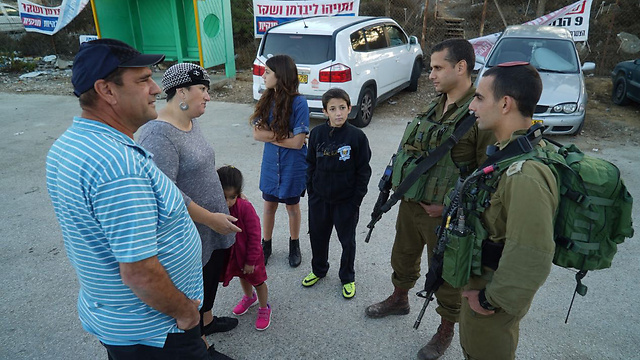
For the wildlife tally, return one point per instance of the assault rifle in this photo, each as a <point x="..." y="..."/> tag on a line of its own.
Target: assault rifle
<point x="385" y="188"/>
<point x="386" y="202"/>
<point x="453" y="211"/>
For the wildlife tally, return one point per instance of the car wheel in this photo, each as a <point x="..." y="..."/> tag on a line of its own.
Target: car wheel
<point x="619" y="94"/>
<point x="415" y="76"/>
<point x="365" y="110"/>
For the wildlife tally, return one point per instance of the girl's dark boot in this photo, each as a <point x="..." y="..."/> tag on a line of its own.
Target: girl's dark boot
<point x="266" y="250"/>
<point x="295" y="258"/>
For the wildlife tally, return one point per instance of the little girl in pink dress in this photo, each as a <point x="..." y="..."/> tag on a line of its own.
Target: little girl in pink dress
<point x="246" y="259"/>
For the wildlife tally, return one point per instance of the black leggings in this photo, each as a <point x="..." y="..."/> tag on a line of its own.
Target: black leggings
<point x="211" y="274"/>
<point x="187" y="345"/>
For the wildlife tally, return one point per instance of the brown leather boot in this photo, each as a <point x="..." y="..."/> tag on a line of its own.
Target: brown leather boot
<point x="439" y="343"/>
<point x="396" y="304"/>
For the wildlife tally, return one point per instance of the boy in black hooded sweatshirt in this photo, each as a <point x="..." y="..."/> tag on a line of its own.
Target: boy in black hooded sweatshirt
<point x="338" y="174"/>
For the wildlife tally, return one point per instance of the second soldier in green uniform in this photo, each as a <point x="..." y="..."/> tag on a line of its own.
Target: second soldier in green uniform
<point x="518" y="219"/>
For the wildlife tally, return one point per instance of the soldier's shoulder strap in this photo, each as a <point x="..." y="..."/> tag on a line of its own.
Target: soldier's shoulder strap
<point x="522" y="145"/>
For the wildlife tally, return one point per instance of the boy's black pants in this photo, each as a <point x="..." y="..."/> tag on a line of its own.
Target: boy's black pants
<point x="323" y="216"/>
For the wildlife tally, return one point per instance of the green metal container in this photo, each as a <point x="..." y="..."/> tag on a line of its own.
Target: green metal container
<point x="184" y="30"/>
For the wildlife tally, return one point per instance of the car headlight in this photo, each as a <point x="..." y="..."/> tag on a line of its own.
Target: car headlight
<point x="567" y="108"/>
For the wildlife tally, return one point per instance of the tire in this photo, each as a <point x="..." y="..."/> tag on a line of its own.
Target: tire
<point x="619" y="93"/>
<point x="415" y="76"/>
<point x="365" y="108"/>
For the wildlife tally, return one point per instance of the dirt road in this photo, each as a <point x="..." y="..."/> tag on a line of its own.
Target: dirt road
<point x="39" y="287"/>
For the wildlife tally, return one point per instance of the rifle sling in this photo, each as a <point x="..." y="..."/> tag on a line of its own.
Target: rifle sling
<point x="428" y="162"/>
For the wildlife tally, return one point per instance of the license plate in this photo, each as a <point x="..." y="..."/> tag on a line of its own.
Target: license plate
<point x="536" y="121"/>
<point x="303" y="78"/>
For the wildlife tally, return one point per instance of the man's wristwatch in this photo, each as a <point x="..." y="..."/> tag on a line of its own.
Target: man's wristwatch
<point x="484" y="303"/>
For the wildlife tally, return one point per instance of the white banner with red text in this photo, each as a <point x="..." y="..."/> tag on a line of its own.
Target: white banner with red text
<point x="574" y="17"/>
<point x="269" y="13"/>
<point x="47" y="19"/>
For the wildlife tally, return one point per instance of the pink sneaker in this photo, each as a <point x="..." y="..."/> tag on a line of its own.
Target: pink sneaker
<point x="264" y="318"/>
<point x="245" y="303"/>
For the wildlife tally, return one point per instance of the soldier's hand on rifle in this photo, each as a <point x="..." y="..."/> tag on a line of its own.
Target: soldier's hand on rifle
<point x="474" y="303"/>
<point x="433" y="210"/>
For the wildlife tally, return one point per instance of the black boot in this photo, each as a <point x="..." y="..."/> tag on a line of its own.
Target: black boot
<point x="220" y="324"/>
<point x="266" y="250"/>
<point x="216" y="355"/>
<point x="294" y="252"/>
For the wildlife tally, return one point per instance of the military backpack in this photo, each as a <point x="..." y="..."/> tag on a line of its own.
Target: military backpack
<point x="593" y="215"/>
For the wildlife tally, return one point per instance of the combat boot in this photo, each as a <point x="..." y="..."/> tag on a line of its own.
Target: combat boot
<point x="439" y="343"/>
<point x="396" y="304"/>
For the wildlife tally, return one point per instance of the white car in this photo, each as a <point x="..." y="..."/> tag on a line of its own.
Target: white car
<point x="10" y="19"/>
<point x="551" y="50"/>
<point x="370" y="58"/>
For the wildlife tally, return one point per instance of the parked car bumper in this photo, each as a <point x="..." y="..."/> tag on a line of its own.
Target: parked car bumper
<point x="561" y="124"/>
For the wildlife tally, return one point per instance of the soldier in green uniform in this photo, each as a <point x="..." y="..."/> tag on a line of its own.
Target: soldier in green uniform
<point x="518" y="220"/>
<point x="421" y="208"/>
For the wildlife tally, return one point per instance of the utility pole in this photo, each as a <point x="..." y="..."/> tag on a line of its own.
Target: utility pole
<point x="424" y="25"/>
<point x="541" y="6"/>
<point x="484" y="17"/>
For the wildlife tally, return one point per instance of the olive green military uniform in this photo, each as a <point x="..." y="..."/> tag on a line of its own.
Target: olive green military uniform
<point x="521" y="216"/>
<point x="414" y="227"/>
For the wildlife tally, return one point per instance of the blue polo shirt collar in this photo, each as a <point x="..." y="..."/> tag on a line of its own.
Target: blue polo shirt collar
<point x="104" y="129"/>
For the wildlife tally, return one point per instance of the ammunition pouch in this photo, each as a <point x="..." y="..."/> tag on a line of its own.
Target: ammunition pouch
<point x="456" y="267"/>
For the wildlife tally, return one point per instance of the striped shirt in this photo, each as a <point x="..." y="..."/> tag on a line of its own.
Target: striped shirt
<point x="114" y="205"/>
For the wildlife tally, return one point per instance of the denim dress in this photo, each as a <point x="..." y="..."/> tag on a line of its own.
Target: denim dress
<point x="283" y="171"/>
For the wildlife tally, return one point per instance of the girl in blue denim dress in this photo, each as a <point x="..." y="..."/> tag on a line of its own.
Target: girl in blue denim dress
<point x="281" y="121"/>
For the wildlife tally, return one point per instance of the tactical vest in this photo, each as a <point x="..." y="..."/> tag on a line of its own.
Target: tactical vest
<point x="468" y="249"/>
<point x="465" y="231"/>
<point x="421" y="137"/>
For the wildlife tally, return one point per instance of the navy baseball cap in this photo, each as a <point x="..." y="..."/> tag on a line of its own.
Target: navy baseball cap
<point x="98" y="58"/>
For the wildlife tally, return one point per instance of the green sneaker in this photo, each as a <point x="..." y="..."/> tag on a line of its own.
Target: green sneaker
<point x="349" y="290"/>
<point x="310" y="280"/>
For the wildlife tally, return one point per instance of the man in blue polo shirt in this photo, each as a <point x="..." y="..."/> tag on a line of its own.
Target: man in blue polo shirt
<point x="126" y="229"/>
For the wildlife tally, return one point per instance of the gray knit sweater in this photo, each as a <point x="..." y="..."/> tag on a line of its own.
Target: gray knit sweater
<point x="189" y="161"/>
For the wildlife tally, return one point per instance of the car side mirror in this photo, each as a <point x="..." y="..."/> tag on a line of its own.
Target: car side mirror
<point x="413" y="40"/>
<point x="637" y="62"/>
<point x="589" y="66"/>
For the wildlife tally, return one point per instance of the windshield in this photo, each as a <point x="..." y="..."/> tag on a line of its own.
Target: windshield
<point x="303" y="49"/>
<point x="548" y="55"/>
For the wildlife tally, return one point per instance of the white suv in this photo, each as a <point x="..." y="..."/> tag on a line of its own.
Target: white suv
<point x="370" y="58"/>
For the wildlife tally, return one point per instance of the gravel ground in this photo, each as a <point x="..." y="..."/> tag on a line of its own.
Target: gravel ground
<point x="39" y="287"/>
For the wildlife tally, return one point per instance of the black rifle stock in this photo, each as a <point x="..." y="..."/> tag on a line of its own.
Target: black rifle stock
<point x="385" y="189"/>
